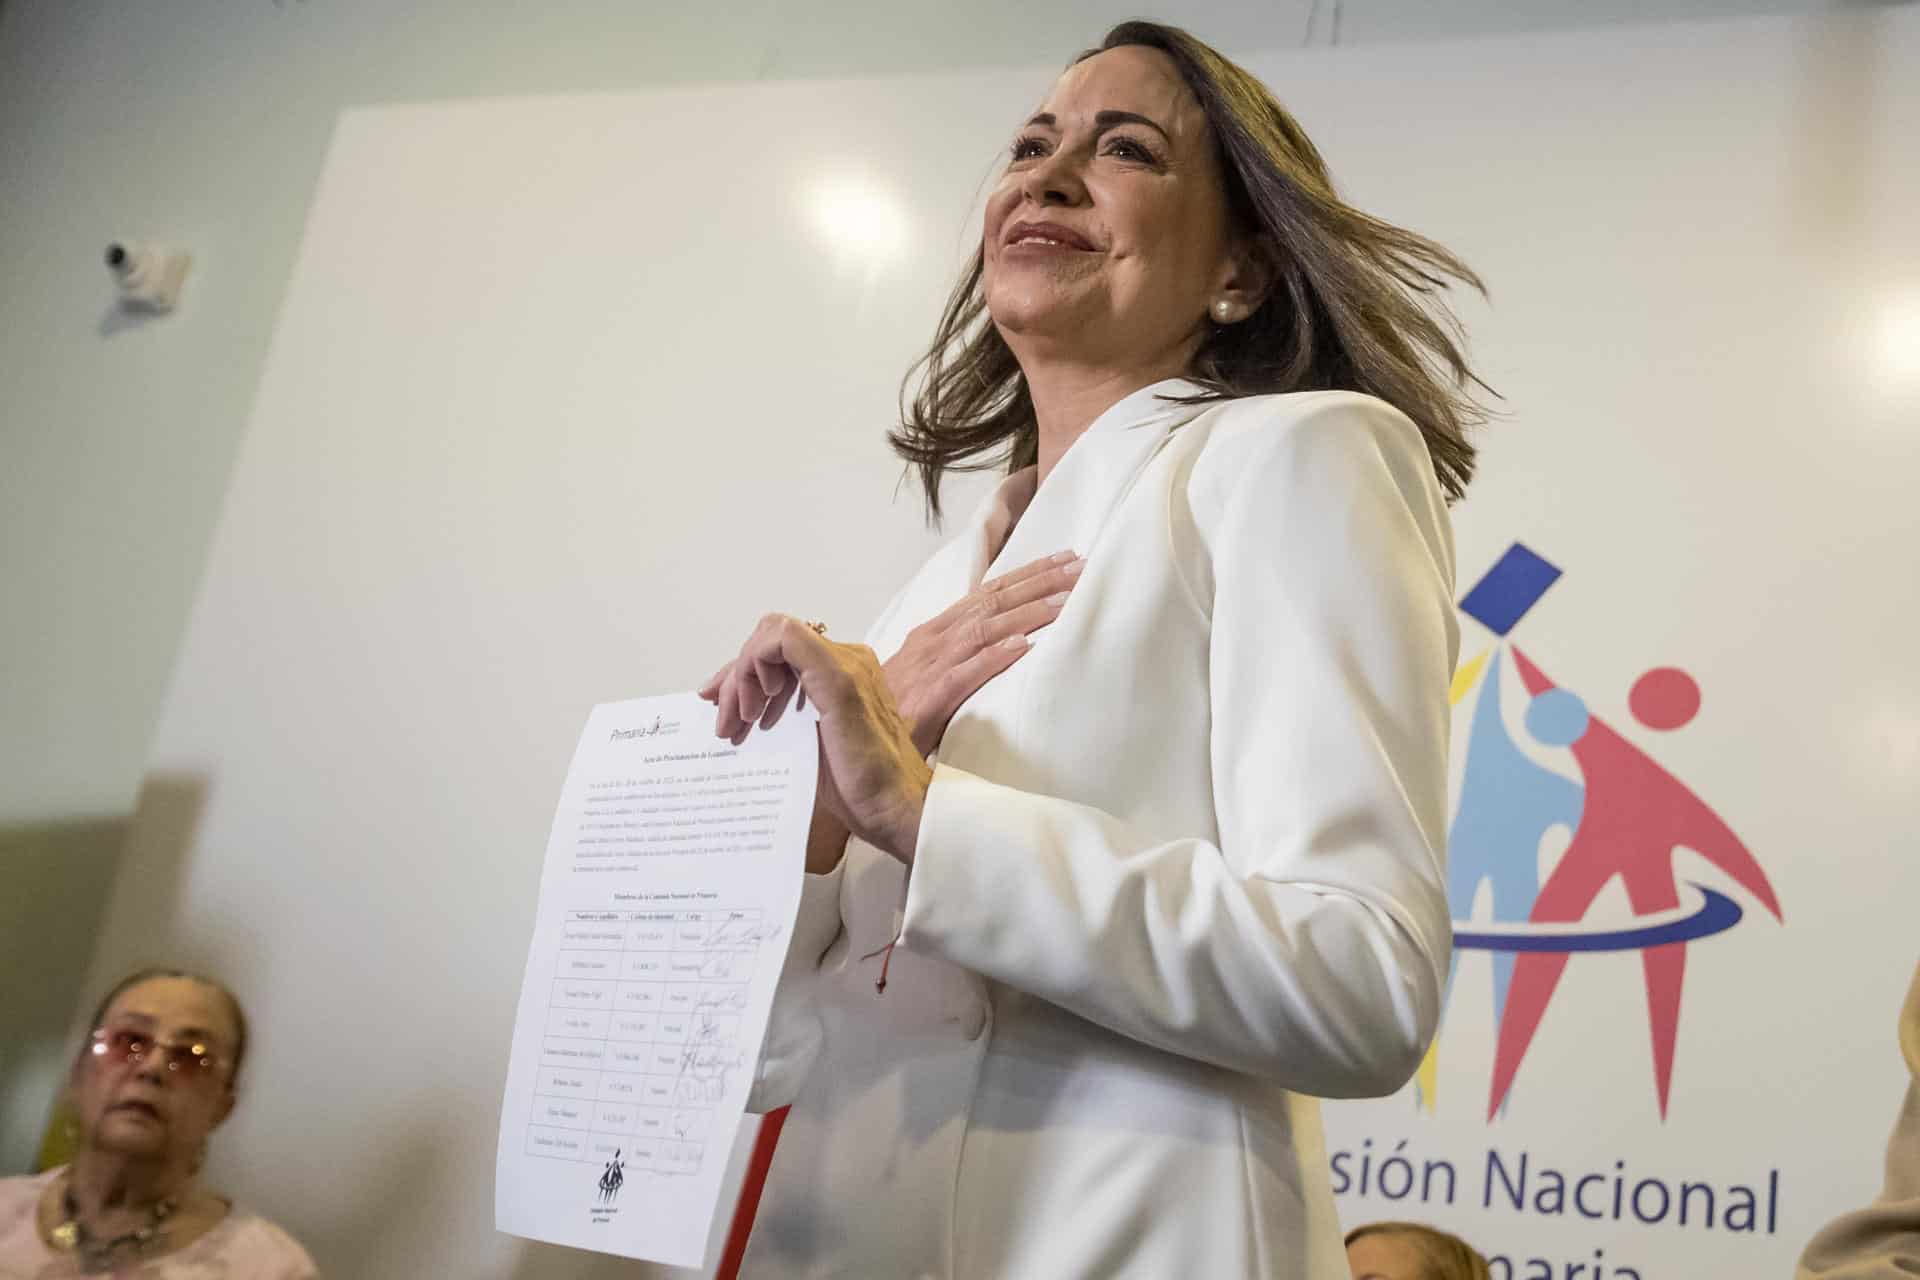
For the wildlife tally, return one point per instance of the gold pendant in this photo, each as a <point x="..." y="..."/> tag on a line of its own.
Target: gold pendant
<point x="66" y="1235"/>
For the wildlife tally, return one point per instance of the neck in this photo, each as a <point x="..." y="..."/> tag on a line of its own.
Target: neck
<point x="1068" y="398"/>
<point x="101" y="1180"/>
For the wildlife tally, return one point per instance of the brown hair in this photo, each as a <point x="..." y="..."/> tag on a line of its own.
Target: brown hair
<point x="133" y="980"/>
<point x="1355" y="305"/>
<point x="1442" y="1256"/>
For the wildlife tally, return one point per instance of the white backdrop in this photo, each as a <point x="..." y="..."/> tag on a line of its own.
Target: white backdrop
<point x="566" y="391"/>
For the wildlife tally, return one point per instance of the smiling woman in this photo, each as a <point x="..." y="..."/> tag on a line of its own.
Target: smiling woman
<point x="1132" y="847"/>
<point x="1194" y="231"/>
<point x="155" y="1077"/>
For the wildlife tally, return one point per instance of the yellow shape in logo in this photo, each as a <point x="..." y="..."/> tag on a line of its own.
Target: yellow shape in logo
<point x="1467" y="676"/>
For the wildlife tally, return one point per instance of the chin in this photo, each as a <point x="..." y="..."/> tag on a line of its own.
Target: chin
<point x="131" y="1138"/>
<point x="1032" y="314"/>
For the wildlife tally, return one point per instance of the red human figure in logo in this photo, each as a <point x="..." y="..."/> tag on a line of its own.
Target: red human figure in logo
<point x="1637" y="814"/>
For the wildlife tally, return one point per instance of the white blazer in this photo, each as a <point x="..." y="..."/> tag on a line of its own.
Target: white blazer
<point x="1180" y="874"/>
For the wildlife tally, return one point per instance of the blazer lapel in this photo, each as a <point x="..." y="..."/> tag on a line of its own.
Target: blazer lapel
<point x="1092" y="478"/>
<point x="1066" y="514"/>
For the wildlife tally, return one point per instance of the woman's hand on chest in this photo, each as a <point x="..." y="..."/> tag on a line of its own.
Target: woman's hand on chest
<point x="879" y="723"/>
<point x="951" y="656"/>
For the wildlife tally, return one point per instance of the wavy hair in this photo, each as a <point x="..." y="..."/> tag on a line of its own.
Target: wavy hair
<point x="1355" y="304"/>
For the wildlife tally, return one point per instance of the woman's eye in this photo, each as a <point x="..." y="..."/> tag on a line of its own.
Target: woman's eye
<point x="1028" y="148"/>
<point x="1128" y="149"/>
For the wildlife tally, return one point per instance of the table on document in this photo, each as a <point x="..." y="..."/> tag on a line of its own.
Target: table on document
<point x="641" y="1035"/>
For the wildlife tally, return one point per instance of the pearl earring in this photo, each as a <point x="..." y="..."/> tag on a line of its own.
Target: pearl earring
<point x="1222" y="310"/>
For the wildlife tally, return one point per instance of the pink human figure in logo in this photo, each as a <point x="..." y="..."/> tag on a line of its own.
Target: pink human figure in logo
<point x="1636" y="816"/>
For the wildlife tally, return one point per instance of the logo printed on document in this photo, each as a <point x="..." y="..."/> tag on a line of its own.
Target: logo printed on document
<point x="653" y="729"/>
<point x="612" y="1179"/>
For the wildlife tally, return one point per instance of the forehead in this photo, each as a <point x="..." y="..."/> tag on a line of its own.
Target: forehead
<point x="1130" y="78"/>
<point x="169" y="1004"/>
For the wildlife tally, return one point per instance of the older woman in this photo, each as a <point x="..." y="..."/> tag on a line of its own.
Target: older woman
<point x="155" y="1077"/>
<point x="1133" y="847"/>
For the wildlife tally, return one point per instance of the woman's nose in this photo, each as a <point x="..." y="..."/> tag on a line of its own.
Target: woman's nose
<point x="1054" y="180"/>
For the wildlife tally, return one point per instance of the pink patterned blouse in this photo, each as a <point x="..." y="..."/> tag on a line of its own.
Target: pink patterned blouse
<point x="244" y="1246"/>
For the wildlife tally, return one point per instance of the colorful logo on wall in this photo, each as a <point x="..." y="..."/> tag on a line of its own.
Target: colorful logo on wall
<point x="1627" y="818"/>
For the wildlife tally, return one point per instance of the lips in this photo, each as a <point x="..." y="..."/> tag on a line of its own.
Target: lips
<point x="135" y="1107"/>
<point x="1046" y="235"/>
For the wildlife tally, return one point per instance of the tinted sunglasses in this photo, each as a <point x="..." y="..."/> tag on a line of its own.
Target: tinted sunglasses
<point x="195" y="1060"/>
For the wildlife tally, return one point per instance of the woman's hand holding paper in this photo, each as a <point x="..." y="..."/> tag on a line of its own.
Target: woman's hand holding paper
<point x="879" y="723"/>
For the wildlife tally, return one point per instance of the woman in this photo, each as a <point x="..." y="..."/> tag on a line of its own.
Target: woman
<point x="1060" y="997"/>
<point x="1882" y="1239"/>
<point x="155" y="1077"/>
<point x="1410" y="1251"/>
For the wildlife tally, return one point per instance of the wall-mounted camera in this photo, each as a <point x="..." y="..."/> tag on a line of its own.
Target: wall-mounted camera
<point x="148" y="276"/>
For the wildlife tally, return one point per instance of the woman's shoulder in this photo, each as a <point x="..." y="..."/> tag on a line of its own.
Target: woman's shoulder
<point x="1287" y="439"/>
<point x="21" y="1249"/>
<point x="1269" y="423"/>
<point x="20" y="1196"/>
<point x="254" y="1246"/>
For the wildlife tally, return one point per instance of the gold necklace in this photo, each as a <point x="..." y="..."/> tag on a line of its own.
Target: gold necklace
<point x="72" y="1235"/>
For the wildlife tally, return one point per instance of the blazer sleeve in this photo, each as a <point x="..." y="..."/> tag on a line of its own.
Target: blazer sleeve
<point x="794" y="1032"/>
<point x="1310" y="944"/>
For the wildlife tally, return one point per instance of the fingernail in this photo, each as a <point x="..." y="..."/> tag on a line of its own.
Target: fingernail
<point x="1061" y="557"/>
<point x="1057" y="599"/>
<point x="1016" y="642"/>
<point x="1073" y="570"/>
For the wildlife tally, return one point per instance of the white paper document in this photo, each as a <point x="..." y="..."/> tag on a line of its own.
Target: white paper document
<point x="671" y="881"/>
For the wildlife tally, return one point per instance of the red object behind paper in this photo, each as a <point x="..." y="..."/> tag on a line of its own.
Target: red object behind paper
<point x="750" y="1187"/>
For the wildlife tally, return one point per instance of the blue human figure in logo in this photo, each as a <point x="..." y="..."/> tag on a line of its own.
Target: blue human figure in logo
<point x="1508" y="803"/>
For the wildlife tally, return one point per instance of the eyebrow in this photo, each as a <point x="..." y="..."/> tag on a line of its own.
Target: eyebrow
<point x="1105" y="120"/>
<point x="147" y="1020"/>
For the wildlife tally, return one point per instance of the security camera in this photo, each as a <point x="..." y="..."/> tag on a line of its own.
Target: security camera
<point x="148" y="276"/>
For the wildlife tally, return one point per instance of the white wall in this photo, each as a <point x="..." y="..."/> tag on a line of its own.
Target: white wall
<point x="495" y="473"/>
<point x="1706" y="318"/>
<point x="209" y="122"/>
<point x="205" y="122"/>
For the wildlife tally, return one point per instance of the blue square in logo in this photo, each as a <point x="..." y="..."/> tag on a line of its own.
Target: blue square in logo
<point x="1505" y="592"/>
